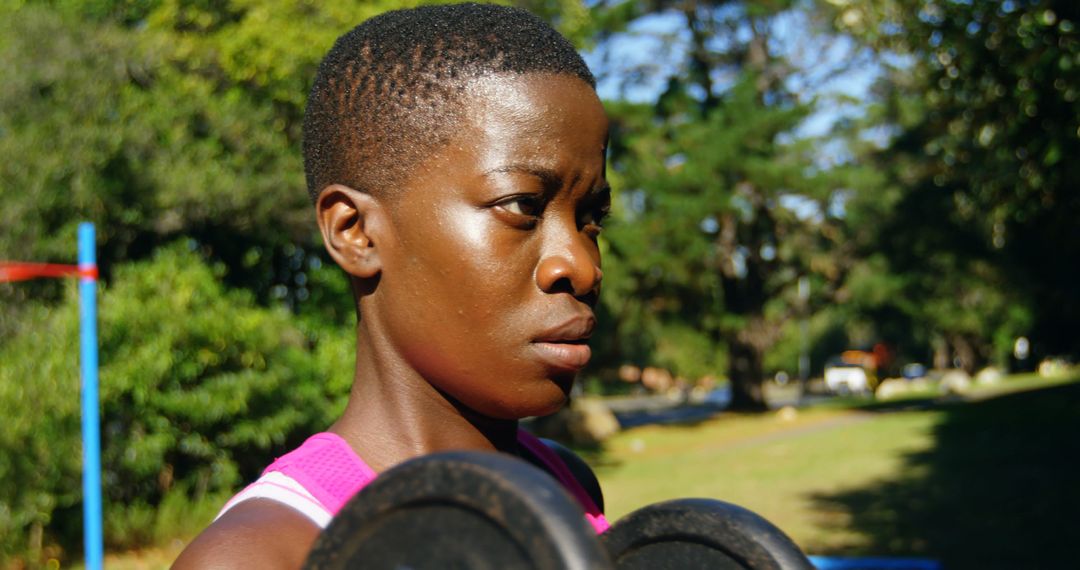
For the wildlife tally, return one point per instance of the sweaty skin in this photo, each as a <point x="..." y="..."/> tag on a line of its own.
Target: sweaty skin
<point x="476" y="282"/>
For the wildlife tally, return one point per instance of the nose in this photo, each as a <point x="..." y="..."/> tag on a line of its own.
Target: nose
<point x="570" y="264"/>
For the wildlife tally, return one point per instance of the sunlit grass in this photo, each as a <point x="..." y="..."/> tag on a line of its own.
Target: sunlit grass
<point x="782" y="467"/>
<point x="767" y="464"/>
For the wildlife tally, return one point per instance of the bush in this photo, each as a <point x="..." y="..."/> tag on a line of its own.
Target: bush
<point x="200" y="388"/>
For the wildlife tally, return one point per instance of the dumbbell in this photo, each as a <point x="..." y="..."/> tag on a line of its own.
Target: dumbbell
<point x="460" y="510"/>
<point x="700" y="533"/>
<point x="485" y="510"/>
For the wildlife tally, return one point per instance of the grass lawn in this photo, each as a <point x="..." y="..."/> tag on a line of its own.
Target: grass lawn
<point x="769" y="465"/>
<point x="989" y="482"/>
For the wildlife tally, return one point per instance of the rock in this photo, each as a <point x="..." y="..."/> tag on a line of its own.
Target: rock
<point x="989" y="375"/>
<point x="586" y="421"/>
<point x="657" y="379"/>
<point x="891" y="388"/>
<point x="629" y="373"/>
<point x="591" y="421"/>
<point x="706" y="383"/>
<point x="1052" y="367"/>
<point x="955" y="382"/>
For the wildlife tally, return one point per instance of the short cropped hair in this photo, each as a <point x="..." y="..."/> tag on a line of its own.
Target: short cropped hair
<point x="390" y="90"/>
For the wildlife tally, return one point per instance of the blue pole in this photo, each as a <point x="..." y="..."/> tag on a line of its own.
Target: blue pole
<point x="873" y="563"/>
<point x="91" y="432"/>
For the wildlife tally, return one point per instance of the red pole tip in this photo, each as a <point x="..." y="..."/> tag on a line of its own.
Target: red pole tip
<point x="22" y="271"/>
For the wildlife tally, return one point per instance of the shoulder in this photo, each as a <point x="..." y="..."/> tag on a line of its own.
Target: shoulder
<point x="581" y="471"/>
<point x="256" y="533"/>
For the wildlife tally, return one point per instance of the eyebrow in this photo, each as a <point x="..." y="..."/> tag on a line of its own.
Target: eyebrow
<point x="549" y="177"/>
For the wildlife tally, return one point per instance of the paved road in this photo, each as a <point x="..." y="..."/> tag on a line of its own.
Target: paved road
<point x="643" y="410"/>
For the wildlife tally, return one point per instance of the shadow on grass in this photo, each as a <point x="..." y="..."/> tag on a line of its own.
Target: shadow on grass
<point x="1000" y="488"/>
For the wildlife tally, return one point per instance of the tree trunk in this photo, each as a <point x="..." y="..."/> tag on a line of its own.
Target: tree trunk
<point x="965" y="355"/>
<point x="745" y="371"/>
<point x="941" y="354"/>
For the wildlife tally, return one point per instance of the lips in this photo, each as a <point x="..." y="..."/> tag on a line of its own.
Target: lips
<point x="563" y="346"/>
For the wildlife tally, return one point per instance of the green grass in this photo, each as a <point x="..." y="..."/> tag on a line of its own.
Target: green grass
<point x="989" y="482"/>
<point x="766" y="464"/>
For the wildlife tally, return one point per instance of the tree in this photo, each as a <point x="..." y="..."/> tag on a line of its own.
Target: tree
<point x="983" y="102"/>
<point x="164" y="119"/>
<point x="726" y="209"/>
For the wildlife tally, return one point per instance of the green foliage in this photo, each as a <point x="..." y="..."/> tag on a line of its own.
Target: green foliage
<point x="177" y="514"/>
<point x="200" y="387"/>
<point x="39" y="445"/>
<point x="985" y="106"/>
<point x="688" y="352"/>
<point x="723" y="209"/>
<point x="160" y="119"/>
<point x="115" y="134"/>
<point x="828" y="334"/>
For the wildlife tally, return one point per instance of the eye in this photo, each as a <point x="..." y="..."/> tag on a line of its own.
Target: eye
<point x="596" y="216"/>
<point x="595" y="212"/>
<point x="528" y="205"/>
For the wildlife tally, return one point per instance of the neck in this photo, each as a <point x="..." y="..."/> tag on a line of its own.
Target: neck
<point x="394" y="414"/>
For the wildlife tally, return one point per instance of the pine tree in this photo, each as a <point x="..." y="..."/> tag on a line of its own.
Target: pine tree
<point x="725" y="209"/>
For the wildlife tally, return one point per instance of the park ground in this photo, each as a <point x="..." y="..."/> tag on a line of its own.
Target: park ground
<point x="988" y="480"/>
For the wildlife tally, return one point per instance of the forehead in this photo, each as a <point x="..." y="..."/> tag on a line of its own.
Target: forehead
<point x="537" y="116"/>
<point x="532" y="96"/>
<point x="534" y="122"/>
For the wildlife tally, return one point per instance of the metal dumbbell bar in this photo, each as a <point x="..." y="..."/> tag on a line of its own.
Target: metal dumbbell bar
<point x="488" y="511"/>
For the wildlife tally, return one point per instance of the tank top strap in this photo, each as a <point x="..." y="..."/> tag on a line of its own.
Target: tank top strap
<point x="558" y="469"/>
<point x="327" y="467"/>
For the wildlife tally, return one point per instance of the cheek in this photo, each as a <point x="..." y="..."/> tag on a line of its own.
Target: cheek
<point x="468" y="228"/>
<point x="486" y="265"/>
<point x="465" y="274"/>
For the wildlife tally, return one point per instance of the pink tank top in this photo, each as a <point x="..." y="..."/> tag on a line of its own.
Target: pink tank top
<point x="329" y="473"/>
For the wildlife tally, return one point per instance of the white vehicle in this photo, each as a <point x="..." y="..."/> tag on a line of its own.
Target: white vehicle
<point x="843" y="378"/>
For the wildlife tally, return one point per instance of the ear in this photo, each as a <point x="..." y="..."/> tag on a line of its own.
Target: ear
<point x="350" y="221"/>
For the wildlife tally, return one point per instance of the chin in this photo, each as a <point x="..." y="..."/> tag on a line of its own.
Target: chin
<point x="551" y="409"/>
<point x="537" y="405"/>
<point x="560" y="399"/>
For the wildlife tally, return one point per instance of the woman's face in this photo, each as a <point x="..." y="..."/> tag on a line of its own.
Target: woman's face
<point x="488" y="288"/>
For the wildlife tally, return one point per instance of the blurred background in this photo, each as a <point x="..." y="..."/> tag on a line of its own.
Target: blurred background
<point x="840" y="276"/>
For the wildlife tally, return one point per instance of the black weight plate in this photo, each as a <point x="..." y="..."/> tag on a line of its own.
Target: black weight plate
<point x="700" y="533"/>
<point x="460" y="510"/>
